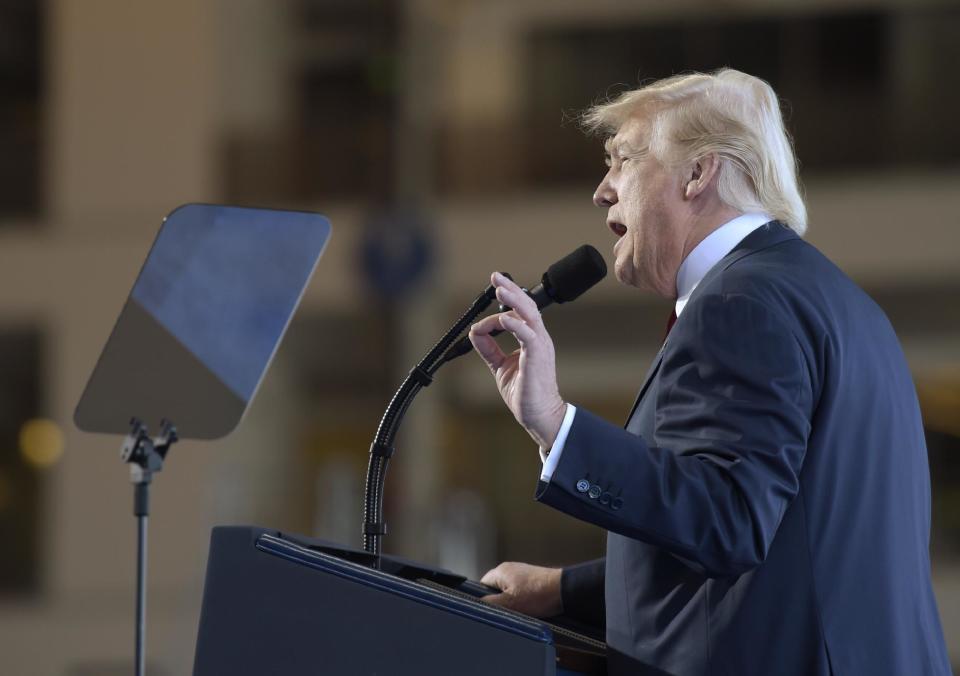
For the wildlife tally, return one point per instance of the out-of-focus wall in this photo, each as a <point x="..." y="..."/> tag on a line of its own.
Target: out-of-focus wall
<point x="144" y="104"/>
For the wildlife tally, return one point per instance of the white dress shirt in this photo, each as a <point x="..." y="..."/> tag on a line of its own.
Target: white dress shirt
<point x="692" y="270"/>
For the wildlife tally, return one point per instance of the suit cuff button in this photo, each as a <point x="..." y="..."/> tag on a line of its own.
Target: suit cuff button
<point x="616" y="503"/>
<point x="605" y="499"/>
<point x="594" y="492"/>
<point x="583" y="486"/>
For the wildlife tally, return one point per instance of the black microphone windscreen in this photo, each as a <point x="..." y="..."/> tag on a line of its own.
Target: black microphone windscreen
<point x="574" y="273"/>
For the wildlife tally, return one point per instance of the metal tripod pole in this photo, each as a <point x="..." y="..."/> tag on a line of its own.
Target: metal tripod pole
<point x="141" y="510"/>
<point x="145" y="456"/>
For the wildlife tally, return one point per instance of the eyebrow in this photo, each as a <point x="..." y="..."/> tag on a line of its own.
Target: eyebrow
<point x="622" y="149"/>
<point x="611" y="148"/>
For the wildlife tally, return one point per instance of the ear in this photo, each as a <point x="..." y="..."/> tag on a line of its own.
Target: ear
<point x="701" y="174"/>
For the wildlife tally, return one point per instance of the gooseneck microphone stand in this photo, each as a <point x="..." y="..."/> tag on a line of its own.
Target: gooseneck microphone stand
<point x="145" y="456"/>
<point x="446" y="349"/>
<point x="563" y="282"/>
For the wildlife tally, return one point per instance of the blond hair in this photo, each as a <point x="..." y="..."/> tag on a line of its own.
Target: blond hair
<point x="735" y="115"/>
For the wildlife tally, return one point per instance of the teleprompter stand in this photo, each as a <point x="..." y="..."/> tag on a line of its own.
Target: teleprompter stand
<point x="145" y="457"/>
<point x="194" y="339"/>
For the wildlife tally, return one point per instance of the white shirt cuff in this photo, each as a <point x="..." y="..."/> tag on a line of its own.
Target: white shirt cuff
<point x="552" y="459"/>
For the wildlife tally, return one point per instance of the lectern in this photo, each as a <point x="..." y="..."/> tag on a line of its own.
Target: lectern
<point x="280" y="604"/>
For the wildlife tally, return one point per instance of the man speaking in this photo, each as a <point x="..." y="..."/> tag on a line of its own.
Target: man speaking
<point x="768" y="503"/>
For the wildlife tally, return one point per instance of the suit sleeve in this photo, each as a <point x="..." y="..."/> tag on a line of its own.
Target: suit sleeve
<point x="582" y="592"/>
<point x="733" y="409"/>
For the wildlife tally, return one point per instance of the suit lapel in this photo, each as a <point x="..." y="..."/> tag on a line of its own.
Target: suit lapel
<point x="651" y="372"/>
<point x="765" y="236"/>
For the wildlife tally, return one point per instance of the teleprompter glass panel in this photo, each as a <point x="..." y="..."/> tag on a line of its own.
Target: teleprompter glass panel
<point x="203" y="320"/>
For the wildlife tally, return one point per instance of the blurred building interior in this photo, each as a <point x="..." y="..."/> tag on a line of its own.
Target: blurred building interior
<point x="440" y="137"/>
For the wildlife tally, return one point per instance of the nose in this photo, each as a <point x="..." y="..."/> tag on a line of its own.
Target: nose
<point x="605" y="195"/>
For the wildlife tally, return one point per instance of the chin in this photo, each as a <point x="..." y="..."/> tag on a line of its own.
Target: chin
<point x="627" y="276"/>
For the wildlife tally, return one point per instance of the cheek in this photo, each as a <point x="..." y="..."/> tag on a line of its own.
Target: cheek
<point x="638" y="243"/>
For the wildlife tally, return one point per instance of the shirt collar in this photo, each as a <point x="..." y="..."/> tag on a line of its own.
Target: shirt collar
<point x="708" y="253"/>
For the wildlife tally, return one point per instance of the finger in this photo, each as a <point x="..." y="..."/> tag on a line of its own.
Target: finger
<point x="516" y="298"/>
<point x="521" y="330"/>
<point x="484" y="343"/>
<point x="493" y="578"/>
<point x="521" y="303"/>
<point x="502" y="282"/>
<point x="499" y="279"/>
<point x="486" y="325"/>
<point x="488" y="350"/>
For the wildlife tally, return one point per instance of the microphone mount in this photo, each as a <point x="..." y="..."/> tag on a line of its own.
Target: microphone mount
<point x="381" y="450"/>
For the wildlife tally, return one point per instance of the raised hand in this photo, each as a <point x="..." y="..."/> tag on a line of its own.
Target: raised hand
<point x="527" y="377"/>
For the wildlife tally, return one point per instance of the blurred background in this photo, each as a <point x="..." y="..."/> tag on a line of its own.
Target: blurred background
<point x="439" y="136"/>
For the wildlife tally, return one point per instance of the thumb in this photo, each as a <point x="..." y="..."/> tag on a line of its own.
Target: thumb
<point x="493" y="578"/>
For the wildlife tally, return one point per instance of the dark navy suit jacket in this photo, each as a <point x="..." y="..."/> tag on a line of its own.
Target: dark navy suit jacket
<point x="768" y="504"/>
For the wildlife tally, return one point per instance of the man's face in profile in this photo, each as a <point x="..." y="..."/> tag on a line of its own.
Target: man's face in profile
<point x="645" y="211"/>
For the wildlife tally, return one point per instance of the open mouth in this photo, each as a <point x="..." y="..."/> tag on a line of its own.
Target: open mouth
<point x="619" y="229"/>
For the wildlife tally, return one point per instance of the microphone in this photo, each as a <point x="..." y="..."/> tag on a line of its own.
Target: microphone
<point x="564" y="281"/>
<point x="569" y="277"/>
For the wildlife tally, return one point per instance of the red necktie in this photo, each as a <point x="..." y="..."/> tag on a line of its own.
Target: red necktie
<point x="670" y="322"/>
